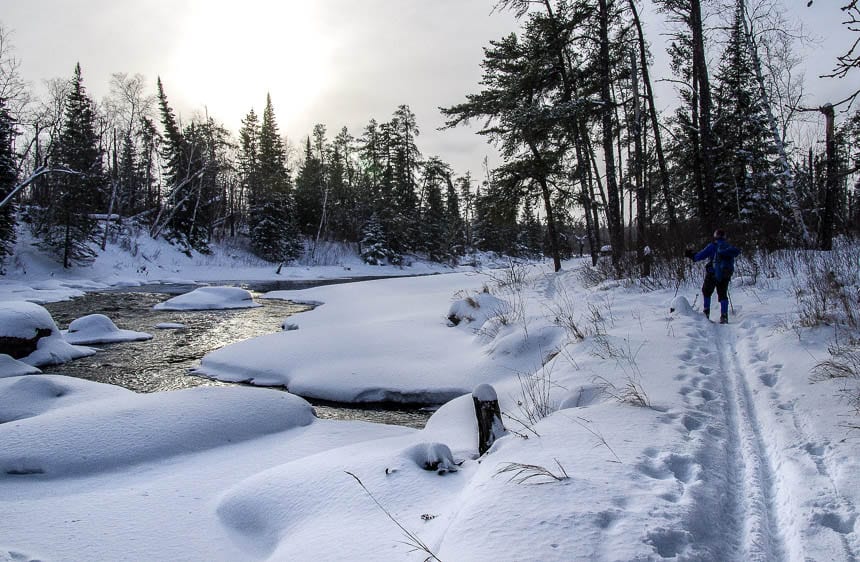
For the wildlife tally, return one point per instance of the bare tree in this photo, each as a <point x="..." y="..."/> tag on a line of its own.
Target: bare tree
<point x="13" y="88"/>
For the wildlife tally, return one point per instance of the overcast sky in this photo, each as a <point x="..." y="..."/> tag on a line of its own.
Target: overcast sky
<point x="336" y="62"/>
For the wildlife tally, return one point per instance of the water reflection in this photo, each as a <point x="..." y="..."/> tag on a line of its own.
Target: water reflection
<point x="163" y="363"/>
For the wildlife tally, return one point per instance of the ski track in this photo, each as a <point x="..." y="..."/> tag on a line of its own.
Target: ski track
<point x="732" y="511"/>
<point x="738" y="506"/>
<point x="831" y="515"/>
<point x="755" y="492"/>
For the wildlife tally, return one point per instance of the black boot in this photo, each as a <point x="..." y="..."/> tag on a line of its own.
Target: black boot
<point x="707" y="312"/>
<point x="724" y="319"/>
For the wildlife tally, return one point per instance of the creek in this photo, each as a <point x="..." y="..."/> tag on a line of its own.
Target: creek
<point x="163" y="363"/>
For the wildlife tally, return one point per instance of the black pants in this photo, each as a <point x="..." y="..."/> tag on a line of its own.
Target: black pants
<point x="722" y="286"/>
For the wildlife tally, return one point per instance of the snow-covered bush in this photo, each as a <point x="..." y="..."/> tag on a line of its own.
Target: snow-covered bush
<point x="828" y="291"/>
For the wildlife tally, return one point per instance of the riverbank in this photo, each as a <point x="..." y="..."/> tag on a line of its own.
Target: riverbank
<point x="31" y="275"/>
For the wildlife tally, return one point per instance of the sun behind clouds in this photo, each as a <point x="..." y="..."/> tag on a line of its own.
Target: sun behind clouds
<point x="231" y="54"/>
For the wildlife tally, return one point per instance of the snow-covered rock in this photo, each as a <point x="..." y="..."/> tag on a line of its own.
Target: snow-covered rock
<point x="680" y="305"/>
<point x="475" y="310"/>
<point x="98" y="328"/>
<point x="210" y="298"/>
<point x="29" y="333"/>
<point x="432" y="456"/>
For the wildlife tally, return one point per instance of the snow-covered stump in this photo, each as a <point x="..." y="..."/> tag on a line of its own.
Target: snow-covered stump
<point x="490" y="426"/>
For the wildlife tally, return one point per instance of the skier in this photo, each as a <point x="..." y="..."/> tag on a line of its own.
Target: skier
<point x="718" y="272"/>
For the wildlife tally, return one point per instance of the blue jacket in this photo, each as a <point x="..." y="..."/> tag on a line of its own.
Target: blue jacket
<point x="721" y="258"/>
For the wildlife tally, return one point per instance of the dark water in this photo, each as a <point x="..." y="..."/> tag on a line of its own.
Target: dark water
<point x="163" y="363"/>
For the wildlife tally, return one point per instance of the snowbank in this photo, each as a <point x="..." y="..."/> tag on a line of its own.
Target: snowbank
<point x="385" y="340"/>
<point x="104" y="435"/>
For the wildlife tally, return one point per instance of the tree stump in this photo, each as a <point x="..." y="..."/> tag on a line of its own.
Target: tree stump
<point x="490" y="426"/>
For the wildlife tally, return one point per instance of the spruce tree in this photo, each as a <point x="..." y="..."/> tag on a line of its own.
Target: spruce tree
<point x="374" y="244"/>
<point x="249" y="157"/>
<point x="455" y="232"/>
<point x="272" y="215"/>
<point x="433" y="227"/>
<point x="185" y="154"/>
<point x="310" y="190"/>
<point x="530" y="233"/>
<point x="403" y="226"/>
<point x="70" y="228"/>
<point x="748" y="188"/>
<point x="8" y="178"/>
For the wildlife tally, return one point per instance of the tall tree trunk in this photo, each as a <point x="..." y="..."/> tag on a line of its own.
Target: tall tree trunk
<point x="616" y="232"/>
<point x="637" y="162"/>
<point x="548" y="208"/>
<point x="706" y="138"/>
<point x="828" y="215"/>
<point x="655" y="124"/>
<point x="583" y="169"/>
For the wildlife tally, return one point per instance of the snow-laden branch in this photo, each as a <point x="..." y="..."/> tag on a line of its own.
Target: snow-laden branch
<point x="40" y="171"/>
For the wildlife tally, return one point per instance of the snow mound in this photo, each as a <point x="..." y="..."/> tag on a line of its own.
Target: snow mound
<point x="475" y="310"/>
<point x="20" y="319"/>
<point x="210" y="298"/>
<point x="98" y="328"/>
<point x="104" y="435"/>
<point x="170" y="326"/>
<point x="583" y="396"/>
<point x="27" y="328"/>
<point x="25" y="397"/>
<point x="432" y="456"/>
<point x="681" y="305"/>
<point x="10" y="367"/>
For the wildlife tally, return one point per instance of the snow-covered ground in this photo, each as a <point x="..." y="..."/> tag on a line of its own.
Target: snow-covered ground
<point x="638" y="430"/>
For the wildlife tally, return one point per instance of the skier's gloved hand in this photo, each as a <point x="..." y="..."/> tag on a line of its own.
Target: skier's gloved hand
<point x="689" y="254"/>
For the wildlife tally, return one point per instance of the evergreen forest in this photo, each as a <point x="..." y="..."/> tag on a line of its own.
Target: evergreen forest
<point x="589" y="161"/>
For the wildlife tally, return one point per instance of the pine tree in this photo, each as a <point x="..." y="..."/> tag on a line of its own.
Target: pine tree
<point x="8" y="178"/>
<point x="748" y="188"/>
<point x="274" y="235"/>
<point x="403" y="226"/>
<point x="530" y="232"/>
<point x="433" y="227"/>
<point x="249" y="157"/>
<point x="310" y="189"/>
<point x="185" y="154"/>
<point x="374" y="244"/>
<point x="344" y="212"/>
<point x="496" y="209"/>
<point x="70" y="228"/>
<point x="455" y="231"/>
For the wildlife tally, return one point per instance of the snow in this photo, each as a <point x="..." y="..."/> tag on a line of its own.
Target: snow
<point x="637" y="430"/>
<point x="352" y="348"/>
<point x="170" y="326"/>
<point x="25" y="320"/>
<point x="10" y="367"/>
<point x="484" y="393"/>
<point x="210" y="298"/>
<point x="126" y="429"/>
<point x="98" y="328"/>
